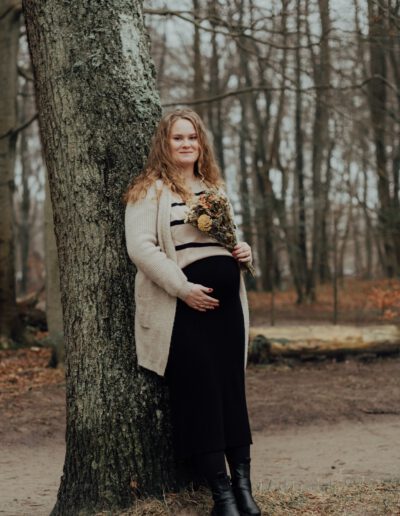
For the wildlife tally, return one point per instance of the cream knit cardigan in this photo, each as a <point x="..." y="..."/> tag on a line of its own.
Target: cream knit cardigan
<point x="159" y="280"/>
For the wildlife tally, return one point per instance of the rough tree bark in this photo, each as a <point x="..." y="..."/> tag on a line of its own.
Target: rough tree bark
<point x="10" y="11"/>
<point x="98" y="107"/>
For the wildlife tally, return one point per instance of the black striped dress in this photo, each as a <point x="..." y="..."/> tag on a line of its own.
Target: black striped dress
<point x="205" y="370"/>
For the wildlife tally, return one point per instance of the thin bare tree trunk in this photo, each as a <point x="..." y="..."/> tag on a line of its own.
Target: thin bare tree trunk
<point x="368" y="226"/>
<point x="197" y="61"/>
<point x="264" y="195"/>
<point x="342" y="246"/>
<point x="301" y="233"/>
<point x="364" y="144"/>
<point x="54" y="314"/>
<point x="322" y="72"/>
<point x="249" y="109"/>
<point x="24" y="224"/>
<point x="244" y="191"/>
<point x="215" y="108"/>
<point x="244" y="175"/>
<point x="377" y="101"/>
<point x="394" y="60"/>
<point x="324" y="268"/>
<point x="10" y="11"/>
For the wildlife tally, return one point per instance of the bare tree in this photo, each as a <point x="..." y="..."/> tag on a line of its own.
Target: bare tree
<point x="24" y="233"/>
<point x="300" y="272"/>
<point x="320" y="142"/>
<point x="54" y="315"/>
<point x="214" y="88"/>
<point x="198" y="78"/>
<point x="10" y="11"/>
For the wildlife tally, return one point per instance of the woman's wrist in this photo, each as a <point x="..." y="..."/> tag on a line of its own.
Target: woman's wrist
<point x="185" y="290"/>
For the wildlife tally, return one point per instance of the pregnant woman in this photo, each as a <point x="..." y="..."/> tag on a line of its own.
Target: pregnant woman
<point x="191" y="322"/>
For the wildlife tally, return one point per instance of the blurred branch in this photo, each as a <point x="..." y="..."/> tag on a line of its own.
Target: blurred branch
<point x="14" y="132"/>
<point x="234" y="31"/>
<point x="253" y="89"/>
<point x="25" y="73"/>
<point x="14" y="6"/>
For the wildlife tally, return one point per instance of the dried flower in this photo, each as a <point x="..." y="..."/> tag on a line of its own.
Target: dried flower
<point x="204" y="223"/>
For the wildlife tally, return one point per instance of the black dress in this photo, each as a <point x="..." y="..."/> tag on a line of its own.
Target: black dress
<point x="205" y="370"/>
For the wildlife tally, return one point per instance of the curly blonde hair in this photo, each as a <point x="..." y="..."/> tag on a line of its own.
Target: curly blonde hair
<point x="160" y="164"/>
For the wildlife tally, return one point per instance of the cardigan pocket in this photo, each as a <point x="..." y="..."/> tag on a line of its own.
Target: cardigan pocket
<point x="143" y="308"/>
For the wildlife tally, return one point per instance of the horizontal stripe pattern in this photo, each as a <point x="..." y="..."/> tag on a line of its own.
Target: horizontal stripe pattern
<point x="196" y="244"/>
<point x="190" y="243"/>
<point x="183" y="203"/>
<point x="177" y="222"/>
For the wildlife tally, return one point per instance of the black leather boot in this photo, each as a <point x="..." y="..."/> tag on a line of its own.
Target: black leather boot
<point x="224" y="499"/>
<point x="242" y="489"/>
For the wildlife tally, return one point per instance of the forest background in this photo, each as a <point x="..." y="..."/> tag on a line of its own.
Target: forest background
<point x="303" y="105"/>
<point x="302" y="99"/>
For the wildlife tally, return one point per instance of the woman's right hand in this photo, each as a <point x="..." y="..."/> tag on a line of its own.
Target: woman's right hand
<point x="199" y="300"/>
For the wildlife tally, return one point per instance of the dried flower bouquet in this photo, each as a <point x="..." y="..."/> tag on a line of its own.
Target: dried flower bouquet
<point x="211" y="213"/>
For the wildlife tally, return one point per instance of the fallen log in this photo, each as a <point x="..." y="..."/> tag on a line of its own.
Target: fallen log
<point x="268" y="344"/>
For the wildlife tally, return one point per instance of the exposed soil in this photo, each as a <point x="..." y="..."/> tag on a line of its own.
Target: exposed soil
<point x="316" y="423"/>
<point x="312" y="423"/>
<point x="283" y="396"/>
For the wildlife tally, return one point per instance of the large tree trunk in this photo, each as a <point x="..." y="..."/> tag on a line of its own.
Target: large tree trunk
<point x="97" y="108"/>
<point x="9" y="36"/>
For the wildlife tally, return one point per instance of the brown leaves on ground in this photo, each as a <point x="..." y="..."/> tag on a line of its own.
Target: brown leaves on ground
<point x="386" y="297"/>
<point x="23" y="369"/>
<point x="359" y="301"/>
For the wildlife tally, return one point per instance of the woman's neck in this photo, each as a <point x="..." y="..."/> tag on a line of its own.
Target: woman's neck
<point x="189" y="175"/>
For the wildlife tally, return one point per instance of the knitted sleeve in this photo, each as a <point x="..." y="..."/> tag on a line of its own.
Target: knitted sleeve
<point x="144" y="251"/>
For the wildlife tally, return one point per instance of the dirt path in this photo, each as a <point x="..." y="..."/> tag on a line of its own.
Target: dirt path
<point x="30" y="477"/>
<point x="312" y="424"/>
<point x="315" y="455"/>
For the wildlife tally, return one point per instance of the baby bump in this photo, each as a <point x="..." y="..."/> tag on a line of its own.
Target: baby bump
<point x="221" y="273"/>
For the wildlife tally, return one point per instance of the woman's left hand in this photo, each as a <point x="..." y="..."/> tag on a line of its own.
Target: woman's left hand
<point x="242" y="252"/>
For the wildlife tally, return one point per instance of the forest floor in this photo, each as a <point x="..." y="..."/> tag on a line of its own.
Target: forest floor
<point x="326" y="437"/>
<point x="360" y="302"/>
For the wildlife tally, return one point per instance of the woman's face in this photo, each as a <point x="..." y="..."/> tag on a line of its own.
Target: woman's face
<point x="184" y="142"/>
